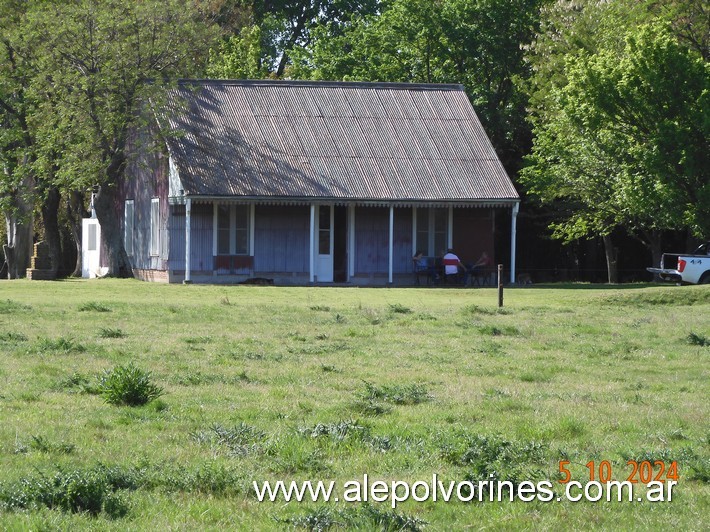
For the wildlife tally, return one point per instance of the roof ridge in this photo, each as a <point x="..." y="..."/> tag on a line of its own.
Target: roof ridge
<point x="323" y="83"/>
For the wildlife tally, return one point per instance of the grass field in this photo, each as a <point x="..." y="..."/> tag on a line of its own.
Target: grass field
<point x="269" y="383"/>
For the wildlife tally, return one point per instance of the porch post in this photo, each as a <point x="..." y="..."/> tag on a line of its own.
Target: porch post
<point x="214" y="231"/>
<point x="252" y="219"/>
<point x="414" y="231"/>
<point x="188" y="215"/>
<point x="311" y="262"/>
<point x="450" y="231"/>
<point x="391" y="244"/>
<point x="513" y="233"/>
<point x="351" y="241"/>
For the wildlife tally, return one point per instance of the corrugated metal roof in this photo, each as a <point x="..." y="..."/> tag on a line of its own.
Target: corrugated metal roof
<point x="339" y="141"/>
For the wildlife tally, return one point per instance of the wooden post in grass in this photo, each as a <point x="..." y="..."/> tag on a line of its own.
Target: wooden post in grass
<point x="500" y="285"/>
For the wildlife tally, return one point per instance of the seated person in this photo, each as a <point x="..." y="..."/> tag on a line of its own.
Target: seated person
<point x="422" y="265"/>
<point x="482" y="263"/>
<point x="453" y="265"/>
<point x="479" y="268"/>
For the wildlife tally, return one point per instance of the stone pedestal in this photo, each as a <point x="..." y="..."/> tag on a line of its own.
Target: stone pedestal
<point x="41" y="266"/>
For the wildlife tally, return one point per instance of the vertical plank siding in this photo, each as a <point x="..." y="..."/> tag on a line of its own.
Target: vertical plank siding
<point x="200" y="238"/>
<point x="372" y="240"/>
<point x="281" y="239"/>
<point x="146" y="177"/>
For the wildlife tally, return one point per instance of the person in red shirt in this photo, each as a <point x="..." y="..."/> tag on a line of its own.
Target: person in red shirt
<point x="452" y="265"/>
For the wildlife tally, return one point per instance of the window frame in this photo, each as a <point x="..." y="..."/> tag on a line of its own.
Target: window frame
<point x="431" y="231"/>
<point x="129" y="226"/>
<point x="234" y="229"/>
<point x="155" y="227"/>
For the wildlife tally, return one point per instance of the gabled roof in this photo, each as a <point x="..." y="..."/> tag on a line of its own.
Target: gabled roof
<point x="283" y="140"/>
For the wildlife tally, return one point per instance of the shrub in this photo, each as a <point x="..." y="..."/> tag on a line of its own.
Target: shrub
<point x="128" y="385"/>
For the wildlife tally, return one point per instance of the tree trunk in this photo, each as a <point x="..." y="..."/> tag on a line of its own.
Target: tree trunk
<point x="50" y="219"/>
<point x="612" y="256"/>
<point x="655" y="245"/>
<point x="9" y="253"/>
<point x="75" y="213"/>
<point x="19" y="225"/>
<point x="18" y="250"/>
<point x="105" y="204"/>
<point x="652" y="240"/>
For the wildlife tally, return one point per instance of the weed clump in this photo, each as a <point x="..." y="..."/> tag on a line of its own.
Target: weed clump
<point x="91" y="491"/>
<point x="366" y="517"/>
<point x="503" y="330"/>
<point x="12" y="338"/>
<point x="108" y="332"/>
<point x="128" y="385"/>
<point x="399" y="394"/>
<point x="10" y="307"/>
<point x="698" y="339"/>
<point x="239" y="440"/>
<point x="61" y="345"/>
<point x="495" y="458"/>
<point x="44" y="445"/>
<point x="93" y="306"/>
<point x="369" y="407"/>
<point x="700" y="470"/>
<point x="211" y="478"/>
<point x="76" y="383"/>
<point x="474" y="310"/>
<point x="337" y="431"/>
<point x="400" y="309"/>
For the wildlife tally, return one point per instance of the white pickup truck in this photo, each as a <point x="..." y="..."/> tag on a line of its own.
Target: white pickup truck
<point x="693" y="268"/>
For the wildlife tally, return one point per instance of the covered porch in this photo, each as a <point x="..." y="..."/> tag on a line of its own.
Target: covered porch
<point x="225" y="240"/>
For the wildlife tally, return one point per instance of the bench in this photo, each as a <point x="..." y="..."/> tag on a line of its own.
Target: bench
<point x="234" y="264"/>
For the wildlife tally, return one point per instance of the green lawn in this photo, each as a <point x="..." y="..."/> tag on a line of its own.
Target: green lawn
<point x="269" y="383"/>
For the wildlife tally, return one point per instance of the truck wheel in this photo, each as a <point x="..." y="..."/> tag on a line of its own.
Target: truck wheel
<point x="705" y="278"/>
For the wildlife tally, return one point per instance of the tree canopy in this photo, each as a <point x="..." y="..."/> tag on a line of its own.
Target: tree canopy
<point x="620" y="123"/>
<point x="94" y="65"/>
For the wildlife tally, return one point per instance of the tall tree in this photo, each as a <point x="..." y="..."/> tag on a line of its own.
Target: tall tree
<point x="17" y="180"/>
<point x="99" y="62"/>
<point x="261" y="36"/>
<point x="623" y="139"/>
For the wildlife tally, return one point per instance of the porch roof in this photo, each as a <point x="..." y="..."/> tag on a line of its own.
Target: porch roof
<point x="284" y="141"/>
